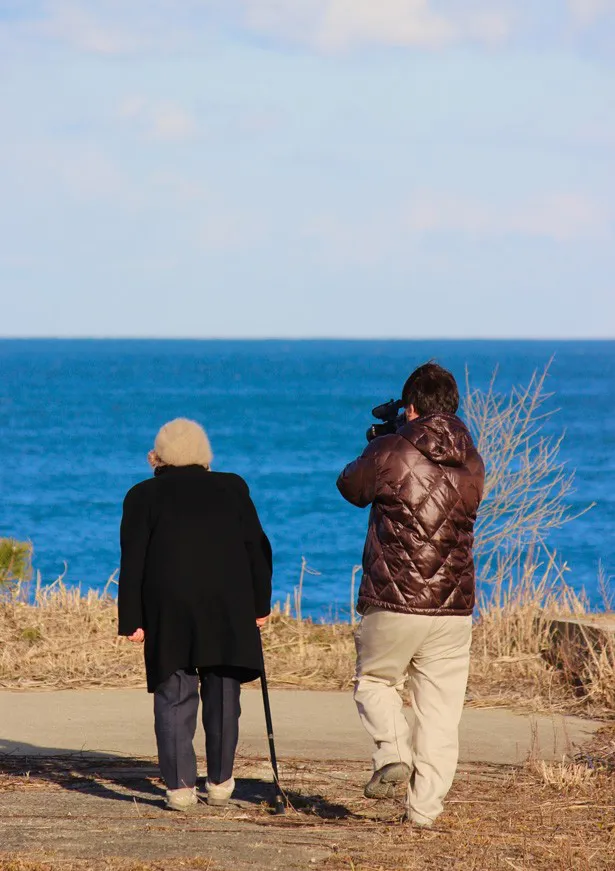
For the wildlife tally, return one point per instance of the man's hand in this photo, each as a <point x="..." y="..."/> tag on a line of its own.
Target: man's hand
<point x="260" y="621"/>
<point x="137" y="637"/>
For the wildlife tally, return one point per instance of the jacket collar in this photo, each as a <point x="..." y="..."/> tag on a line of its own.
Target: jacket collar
<point x="442" y="438"/>
<point x="179" y="470"/>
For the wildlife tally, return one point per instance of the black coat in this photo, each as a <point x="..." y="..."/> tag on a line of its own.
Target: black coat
<point x="195" y="572"/>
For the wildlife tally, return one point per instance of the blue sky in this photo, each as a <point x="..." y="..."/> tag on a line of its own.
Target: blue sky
<point x="349" y="168"/>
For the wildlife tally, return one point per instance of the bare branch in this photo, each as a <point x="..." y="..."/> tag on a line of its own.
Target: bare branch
<point x="527" y="486"/>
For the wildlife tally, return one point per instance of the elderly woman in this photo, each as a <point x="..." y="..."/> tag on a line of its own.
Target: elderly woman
<point x="195" y="586"/>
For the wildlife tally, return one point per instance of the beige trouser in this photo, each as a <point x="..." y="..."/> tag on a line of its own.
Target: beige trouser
<point x="435" y="652"/>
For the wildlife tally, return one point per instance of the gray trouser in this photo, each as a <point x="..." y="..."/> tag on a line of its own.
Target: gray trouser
<point x="176" y="703"/>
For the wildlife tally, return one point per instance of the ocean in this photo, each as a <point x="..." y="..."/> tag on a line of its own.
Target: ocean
<point x="77" y="418"/>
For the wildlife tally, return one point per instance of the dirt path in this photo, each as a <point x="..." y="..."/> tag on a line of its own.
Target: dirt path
<point x="96" y="813"/>
<point x="79" y="790"/>
<point x="105" y="815"/>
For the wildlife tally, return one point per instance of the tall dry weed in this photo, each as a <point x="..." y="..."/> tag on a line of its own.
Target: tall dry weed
<point x="64" y="638"/>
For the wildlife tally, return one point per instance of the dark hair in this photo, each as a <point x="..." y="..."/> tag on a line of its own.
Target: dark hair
<point x="431" y="388"/>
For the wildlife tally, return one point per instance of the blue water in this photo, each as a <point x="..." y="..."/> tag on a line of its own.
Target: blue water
<point x="78" y="417"/>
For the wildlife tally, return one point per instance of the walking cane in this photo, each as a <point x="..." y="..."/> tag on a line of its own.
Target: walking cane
<point x="280" y="807"/>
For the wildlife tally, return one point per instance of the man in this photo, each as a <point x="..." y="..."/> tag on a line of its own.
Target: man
<point x="424" y="483"/>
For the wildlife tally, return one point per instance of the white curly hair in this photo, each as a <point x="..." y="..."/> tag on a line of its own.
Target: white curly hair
<point x="183" y="442"/>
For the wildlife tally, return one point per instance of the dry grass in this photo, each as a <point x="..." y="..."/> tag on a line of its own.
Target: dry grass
<point x="516" y="655"/>
<point x="66" y="639"/>
<point x="17" y="863"/>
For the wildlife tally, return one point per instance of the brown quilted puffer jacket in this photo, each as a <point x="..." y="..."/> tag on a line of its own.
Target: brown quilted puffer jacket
<point x="425" y="484"/>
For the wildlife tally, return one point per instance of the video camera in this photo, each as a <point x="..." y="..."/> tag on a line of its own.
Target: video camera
<point x="391" y="419"/>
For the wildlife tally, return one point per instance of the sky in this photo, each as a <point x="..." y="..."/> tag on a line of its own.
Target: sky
<point x="307" y="168"/>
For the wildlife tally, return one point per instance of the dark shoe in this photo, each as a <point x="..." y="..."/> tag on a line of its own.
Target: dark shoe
<point x="383" y="781"/>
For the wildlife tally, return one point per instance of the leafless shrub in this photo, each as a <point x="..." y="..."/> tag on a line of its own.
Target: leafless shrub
<point x="522" y="583"/>
<point x="527" y="485"/>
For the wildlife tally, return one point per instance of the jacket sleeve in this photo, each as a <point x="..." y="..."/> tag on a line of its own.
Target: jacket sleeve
<point x="259" y="552"/>
<point x="134" y="540"/>
<point x="358" y="483"/>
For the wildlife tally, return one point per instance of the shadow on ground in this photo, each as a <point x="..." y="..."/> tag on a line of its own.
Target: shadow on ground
<point x="135" y="779"/>
<point x="79" y="812"/>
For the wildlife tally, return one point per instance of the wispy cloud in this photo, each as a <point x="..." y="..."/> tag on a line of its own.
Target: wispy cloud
<point x="86" y="28"/>
<point x="334" y="25"/>
<point x="114" y="27"/>
<point x="81" y="171"/>
<point x="226" y="230"/>
<point x="166" y="121"/>
<point x="369" y="239"/>
<point x="117" y="27"/>
<point x="588" y="12"/>
<point x="561" y="217"/>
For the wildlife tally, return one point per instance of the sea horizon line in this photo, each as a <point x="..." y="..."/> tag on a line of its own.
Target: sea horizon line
<point x="348" y="339"/>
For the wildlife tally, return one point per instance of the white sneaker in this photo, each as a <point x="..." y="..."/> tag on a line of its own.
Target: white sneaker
<point x="218" y="794"/>
<point x="181" y="799"/>
<point x="419" y="820"/>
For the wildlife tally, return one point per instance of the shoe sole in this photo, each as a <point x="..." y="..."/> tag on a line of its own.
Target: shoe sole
<point x="385" y="791"/>
<point x="217" y="802"/>
<point x="385" y="788"/>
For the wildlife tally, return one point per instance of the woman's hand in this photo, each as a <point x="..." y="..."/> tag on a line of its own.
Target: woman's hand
<point x="137" y="637"/>
<point x="260" y="621"/>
